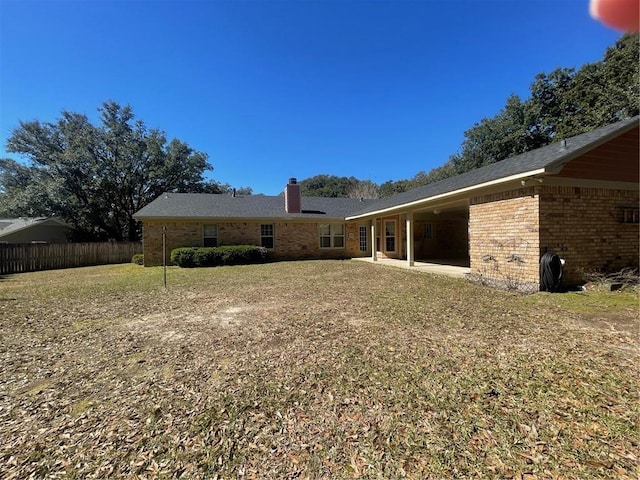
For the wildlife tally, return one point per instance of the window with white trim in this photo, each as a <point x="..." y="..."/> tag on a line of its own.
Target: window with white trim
<point x="210" y="236"/>
<point x="363" y="238"/>
<point x="390" y="235"/>
<point x="332" y="235"/>
<point x="267" y="237"/>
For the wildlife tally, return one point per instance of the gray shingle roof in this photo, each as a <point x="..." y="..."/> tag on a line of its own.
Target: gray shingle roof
<point x="202" y="205"/>
<point x="548" y="157"/>
<point x="12" y="225"/>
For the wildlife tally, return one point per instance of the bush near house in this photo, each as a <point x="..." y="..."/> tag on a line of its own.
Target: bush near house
<point x="189" y="257"/>
<point x="138" y="259"/>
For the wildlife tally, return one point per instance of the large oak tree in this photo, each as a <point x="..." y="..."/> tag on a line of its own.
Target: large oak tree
<point x="96" y="176"/>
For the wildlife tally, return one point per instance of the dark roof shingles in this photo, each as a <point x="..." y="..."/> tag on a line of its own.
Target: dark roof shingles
<point x="202" y="205"/>
<point x="188" y="205"/>
<point x="535" y="159"/>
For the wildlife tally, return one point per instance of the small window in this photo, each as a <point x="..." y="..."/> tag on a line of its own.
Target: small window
<point x="363" y="239"/>
<point x="331" y="236"/>
<point x="266" y="236"/>
<point x="630" y="215"/>
<point x="428" y="231"/>
<point x="210" y="236"/>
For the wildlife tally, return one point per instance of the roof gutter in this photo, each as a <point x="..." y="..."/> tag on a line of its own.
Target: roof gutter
<point x="443" y="196"/>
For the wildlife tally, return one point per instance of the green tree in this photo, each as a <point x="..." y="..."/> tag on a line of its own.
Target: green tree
<point x="327" y="186"/>
<point x="244" y="191"/>
<point x="509" y="133"/>
<point x="603" y="92"/>
<point x="96" y="176"/>
<point x="563" y="103"/>
<point x="391" y="187"/>
<point x="434" y="175"/>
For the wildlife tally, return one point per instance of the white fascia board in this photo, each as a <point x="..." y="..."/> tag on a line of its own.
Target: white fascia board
<point x="442" y="196"/>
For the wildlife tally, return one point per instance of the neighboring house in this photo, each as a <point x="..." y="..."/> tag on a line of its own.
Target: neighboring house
<point x="577" y="197"/>
<point x="33" y="230"/>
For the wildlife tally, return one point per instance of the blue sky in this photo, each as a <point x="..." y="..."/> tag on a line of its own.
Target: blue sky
<point x="378" y="90"/>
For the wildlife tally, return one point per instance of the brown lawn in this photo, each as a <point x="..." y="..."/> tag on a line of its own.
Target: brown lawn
<point x="315" y="369"/>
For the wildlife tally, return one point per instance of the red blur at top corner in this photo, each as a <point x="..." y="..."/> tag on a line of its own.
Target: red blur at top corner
<point x="619" y="14"/>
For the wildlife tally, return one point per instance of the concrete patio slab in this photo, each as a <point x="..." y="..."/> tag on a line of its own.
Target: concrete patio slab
<point x="425" y="267"/>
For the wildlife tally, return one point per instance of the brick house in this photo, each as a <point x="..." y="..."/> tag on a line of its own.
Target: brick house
<point x="577" y="197"/>
<point x="289" y="226"/>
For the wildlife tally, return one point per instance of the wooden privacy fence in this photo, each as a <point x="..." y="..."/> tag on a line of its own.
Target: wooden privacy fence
<point x="31" y="257"/>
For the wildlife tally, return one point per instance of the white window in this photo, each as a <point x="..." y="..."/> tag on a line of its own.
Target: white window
<point x="267" y="238"/>
<point x="210" y="236"/>
<point x="390" y="235"/>
<point x="332" y="235"/>
<point x="363" y="239"/>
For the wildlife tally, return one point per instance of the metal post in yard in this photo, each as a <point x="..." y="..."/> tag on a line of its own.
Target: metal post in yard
<point x="164" y="255"/>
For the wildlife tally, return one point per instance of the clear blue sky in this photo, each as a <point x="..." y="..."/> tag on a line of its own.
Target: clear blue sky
<point x="377" y="90"/>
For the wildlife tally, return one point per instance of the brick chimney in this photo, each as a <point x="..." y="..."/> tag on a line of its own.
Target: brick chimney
<point x="292" y="201"/>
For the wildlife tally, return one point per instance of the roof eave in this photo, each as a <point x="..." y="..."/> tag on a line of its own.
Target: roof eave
<point x="42" y="221"/>
<point x="447" y="195"/>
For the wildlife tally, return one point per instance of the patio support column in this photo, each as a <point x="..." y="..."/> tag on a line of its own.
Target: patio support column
<point x="410" y="249"/>
<point x="374" y="253"/>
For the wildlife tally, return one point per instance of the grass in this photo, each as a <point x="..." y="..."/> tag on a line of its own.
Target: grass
<point x="318" y="369"/>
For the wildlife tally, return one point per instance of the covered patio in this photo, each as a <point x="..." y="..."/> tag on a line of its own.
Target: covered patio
<point x="427" y="237"/>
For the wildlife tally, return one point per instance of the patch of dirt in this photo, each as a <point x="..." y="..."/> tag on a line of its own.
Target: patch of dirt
<point x="175" y="326"/>
<point x="612" y="322"/>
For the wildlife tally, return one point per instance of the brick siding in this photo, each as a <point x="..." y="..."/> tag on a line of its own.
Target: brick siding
<point x="293" y="240"/>
<point x="509" y="231"/>
<point x="503" y="236"/>
<point x="584" y="226"/>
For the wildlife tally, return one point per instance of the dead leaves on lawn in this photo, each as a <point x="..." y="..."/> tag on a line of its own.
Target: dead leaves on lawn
<point x="306" y="370"/>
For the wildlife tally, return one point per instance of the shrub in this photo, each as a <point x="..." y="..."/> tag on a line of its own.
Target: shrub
<point x="188" y="257"/>
<point x="207" y="257"/>
<point x="242" y="254"/>
<point x="138" y="259"/>
<point x="183" y="257"/>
